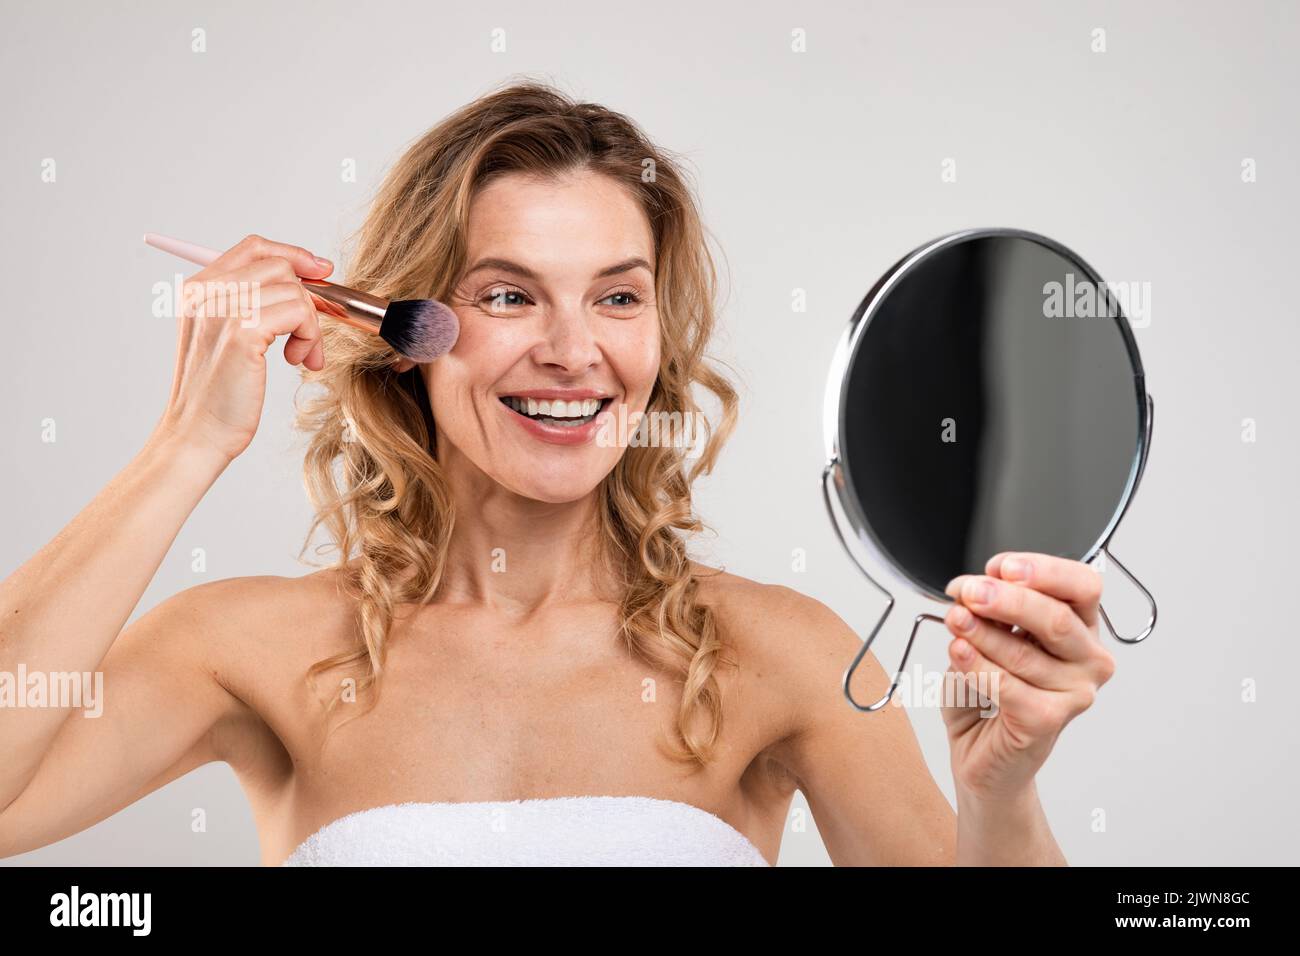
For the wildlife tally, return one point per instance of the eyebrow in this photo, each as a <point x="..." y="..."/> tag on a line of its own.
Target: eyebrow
<point x="505" y="265"/>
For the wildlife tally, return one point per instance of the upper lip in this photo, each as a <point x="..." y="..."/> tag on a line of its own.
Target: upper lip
<point x="551" y="394"/>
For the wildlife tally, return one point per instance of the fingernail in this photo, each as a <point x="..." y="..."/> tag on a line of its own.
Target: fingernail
<point x="961" y="648"/>
<point x="962" y="619"/>
<point x="323" y="263"/>
<point x="953" y="586"/>
<point x="1015" y="569"/>
<point x="979" y="592"/>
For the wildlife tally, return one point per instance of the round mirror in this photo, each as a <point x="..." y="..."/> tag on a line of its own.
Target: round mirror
<point x="988" y="396"/>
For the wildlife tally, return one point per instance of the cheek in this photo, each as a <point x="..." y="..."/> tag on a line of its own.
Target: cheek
<point x="460" y="378"/>
<point x="635" y="355"/>
<point x="450" y="402"/>
<point x="483" y="353"/>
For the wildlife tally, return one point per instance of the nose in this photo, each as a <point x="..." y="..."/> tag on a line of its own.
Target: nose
<point x="569" y="343"/>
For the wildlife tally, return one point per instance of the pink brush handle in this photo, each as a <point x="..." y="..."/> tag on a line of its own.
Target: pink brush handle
<point x="358" y="309"/>
<point x="201" y="255"/>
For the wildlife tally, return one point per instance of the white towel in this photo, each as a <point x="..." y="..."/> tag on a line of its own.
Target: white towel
<point x="547" y="831"/>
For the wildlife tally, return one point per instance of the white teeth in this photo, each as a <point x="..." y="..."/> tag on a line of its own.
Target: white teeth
<point x="556" y="410"/>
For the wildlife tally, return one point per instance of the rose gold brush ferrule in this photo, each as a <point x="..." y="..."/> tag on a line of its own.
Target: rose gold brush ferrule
<point x="361" y="310"/>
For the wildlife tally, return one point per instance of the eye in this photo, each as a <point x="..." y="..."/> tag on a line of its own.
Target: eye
<point x="628" y="294"/>
<point x="500" y="298"/>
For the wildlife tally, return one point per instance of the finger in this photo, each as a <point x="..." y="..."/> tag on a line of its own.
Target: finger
<point x="1058" y="628"/>
<point x="223" y="302"/>
<point x="269" y="311"/>
<point x="304" y="338"/>
<point x="978" y="680"/>
<point x="271" y="269"/>
<point x="1032" y="713"/>
<point x="297" y="349"/>
<point x="246" y="283"/>
<point x="315" y="359"/>
<point x="254" y="247"/>
<point x="1014" y="653"/>
<point x="291" y="317"/>
<point x="1074" y="582"/>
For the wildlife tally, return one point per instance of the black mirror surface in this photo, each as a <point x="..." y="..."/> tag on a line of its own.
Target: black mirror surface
<point x="987" y="404"/>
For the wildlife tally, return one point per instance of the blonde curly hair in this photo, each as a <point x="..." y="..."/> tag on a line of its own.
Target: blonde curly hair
<point x="371" y="466"/>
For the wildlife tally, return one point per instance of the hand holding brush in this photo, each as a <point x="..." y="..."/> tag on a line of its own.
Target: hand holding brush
<point x="418" y="329"/>
<point x="220" y="378"/>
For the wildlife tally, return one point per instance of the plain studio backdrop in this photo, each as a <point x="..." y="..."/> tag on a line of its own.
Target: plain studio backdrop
<point x="1157" y="140"/>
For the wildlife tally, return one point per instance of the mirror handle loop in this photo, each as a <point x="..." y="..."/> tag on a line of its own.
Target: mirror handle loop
<point x="1151" y="620"/>
<point x="828" y="475"/>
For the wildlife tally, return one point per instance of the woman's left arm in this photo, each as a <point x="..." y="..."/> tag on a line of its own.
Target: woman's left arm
<point x="866" y="782"/>
<point x="1025" y="636"/>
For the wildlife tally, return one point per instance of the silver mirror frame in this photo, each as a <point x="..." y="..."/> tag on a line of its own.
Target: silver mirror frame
<point x="836" y="483"/>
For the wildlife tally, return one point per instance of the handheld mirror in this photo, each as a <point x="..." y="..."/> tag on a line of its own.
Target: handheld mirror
<point x="987" y="396"/>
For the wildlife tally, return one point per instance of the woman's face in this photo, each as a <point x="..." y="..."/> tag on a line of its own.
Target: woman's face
<point x="556" y="306"/>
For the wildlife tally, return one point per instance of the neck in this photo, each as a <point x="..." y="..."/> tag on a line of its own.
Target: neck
<point x="514" y="554"/>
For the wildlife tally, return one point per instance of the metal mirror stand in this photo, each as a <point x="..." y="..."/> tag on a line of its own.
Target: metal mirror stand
<point x="832" y="473"/>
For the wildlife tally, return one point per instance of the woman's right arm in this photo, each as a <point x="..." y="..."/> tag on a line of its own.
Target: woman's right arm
<point x="63" y="611"/>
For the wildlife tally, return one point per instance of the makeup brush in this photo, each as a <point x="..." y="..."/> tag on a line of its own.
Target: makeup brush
<point x="418" y="329"/>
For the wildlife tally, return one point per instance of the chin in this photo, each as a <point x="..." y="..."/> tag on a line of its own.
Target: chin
<point x="553" y="492"/>
<point x="554" y="480"/>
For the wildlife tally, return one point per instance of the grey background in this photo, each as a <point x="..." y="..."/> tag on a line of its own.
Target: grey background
<point x="817" y="170"/>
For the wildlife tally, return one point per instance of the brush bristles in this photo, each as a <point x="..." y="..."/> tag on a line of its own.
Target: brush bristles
<point x="420" y="329"/>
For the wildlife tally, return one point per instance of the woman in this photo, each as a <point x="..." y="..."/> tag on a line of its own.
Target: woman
<point x="513" y="620"/>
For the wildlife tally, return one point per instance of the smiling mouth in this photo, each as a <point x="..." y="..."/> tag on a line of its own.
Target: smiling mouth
<point x="573" y="414"/>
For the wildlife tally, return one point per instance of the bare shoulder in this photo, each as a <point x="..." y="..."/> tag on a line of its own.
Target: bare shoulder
<point x="797" y="643"/>
<point x="237" y="628"/>
<point x="775" y="622"/>
<point x="266" y="594"/>
<point x="252" y="637"/>
<point x="245" y="606"/>
<point x="758" y="608"/>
